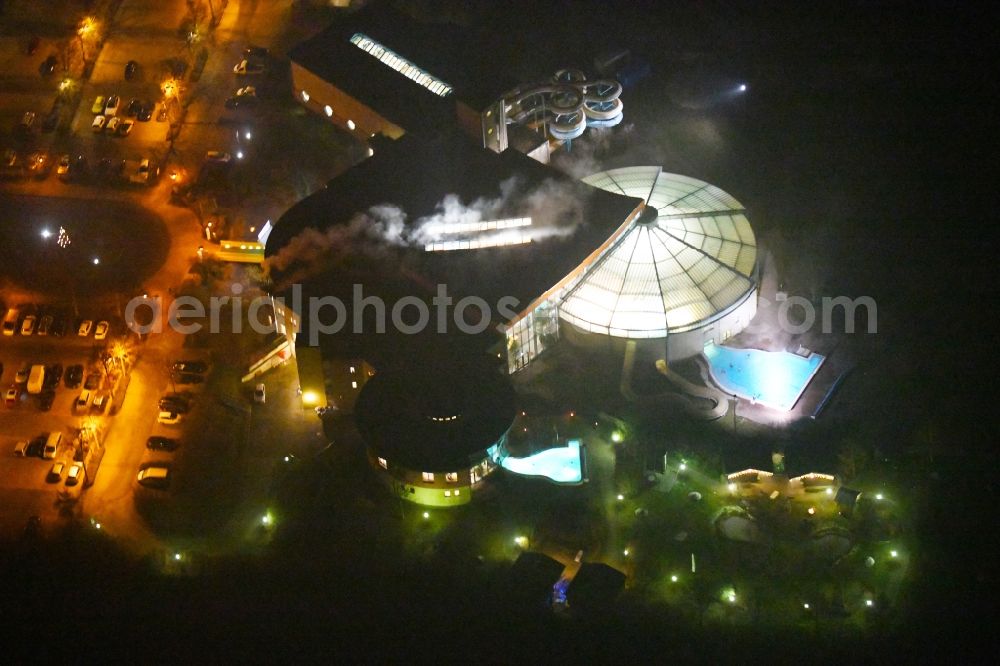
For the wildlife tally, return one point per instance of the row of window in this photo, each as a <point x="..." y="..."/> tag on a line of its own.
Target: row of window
<point x="401" y="65"/>
<point x="469" y="227"/>
<point x="495" y="241"/>
<point x="428" y="477"/>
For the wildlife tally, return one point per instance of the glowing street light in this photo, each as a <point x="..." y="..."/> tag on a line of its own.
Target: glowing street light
<point x="267" y="519"/>
<point x="879" y="496"/>
<point x="626" y="552"/>
<point x="812" y="511"/>
<point x="829" y="491"/>
<point x="97" y="261"/>
<point x="682" y="467"/>
<point x="742" y="87"/>
<point x="97" y="526"/>
<point x="869" y="603"/>
<point x="427" y="515"/>
<point x="893" y="553"/>
<point x="46" y="233"/>
<point x="805" y="606"/>
<point x="521" y="541"/>
<point x="177" y="557"/>
<point x="620" y="497"/>
<point x="616" y="437"/>
<point x="239" y="154"/>
<point x="673" y="578"/>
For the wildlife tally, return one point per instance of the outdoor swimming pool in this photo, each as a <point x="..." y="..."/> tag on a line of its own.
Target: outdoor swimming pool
<point x="562" y="464"/>
<point x="773" y="379"/>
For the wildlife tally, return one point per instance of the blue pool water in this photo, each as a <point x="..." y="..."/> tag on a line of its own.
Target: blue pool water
<point x="773" y="379"/>
<point x="562" y="464"/>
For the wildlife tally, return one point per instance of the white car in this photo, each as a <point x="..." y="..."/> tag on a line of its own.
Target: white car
<point x="85" y="327"/>
<point x="246" y="91"/>
<point x="167" y="417"/>
<point x="113" y="124"/>
<point x="101" y="331"/>
<point x="218" y="157"/>
<point x="258" y="394"/>
<point x="111" y="109"/>
<point x="98" y="125"/>
<point x="28" y="325"/>
<point x="75" y="474"/>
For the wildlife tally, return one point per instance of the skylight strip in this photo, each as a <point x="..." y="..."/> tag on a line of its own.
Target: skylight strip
<point x="401" y="65"/>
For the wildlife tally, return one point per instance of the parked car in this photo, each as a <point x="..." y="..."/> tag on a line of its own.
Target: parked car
<point x="218" y="157"/>
<point x="28" y="325"/>
<point x="22" y="374"/>
<point x="10" y="398"/>
<point x="101" y="331"/>
<point x="255" y="52"/>
<point x="259" y="394"/>
<point x="35" y="447"/>
<point x="167" y="417"/>
<point x="189" y="378"/>
<point x="60" y="327"/>
<point x="46" y="399"/>
<point x="27" y="122"/>
<point x="161" y="444"/>
<point x="82" y="402"/>
<point x="93" y="381"/>
<point x="53" y="374"/>
<point x="84" y="329"/>
<point x="246" y="67"/>
<point x="98" y="124"/>
<point x="62" y="169"/>
<point x="51" y="119"/>
<point x="38" y="164"/>
<point x="199" y="367"/>
<point x="125" y="128"/>
<point x="131" y="68"/>
<point x="45" y="325"/>
<point x="113" y="123"/>
<point x="154" y="476"/>
<point x="48" y="66"/>
<point x="74" y="474"/>
<point x="133" y="107"/>
<point x="249" y="101"/>
<point x="175" y="403"/>
<point x="74" y="376"/>
<point x="97" y="107"/>
<point x="55" y="472"/>
<point x="145" y="112"/>
<point x="111" y="108"/>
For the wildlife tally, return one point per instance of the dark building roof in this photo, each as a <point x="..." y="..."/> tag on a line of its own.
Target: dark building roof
<point x="416" y="177"/>
<point x="531" y="578"/>
<point x="457" y="55"/>
<point x="432" y="413"/>
<point x="595" y="586"/>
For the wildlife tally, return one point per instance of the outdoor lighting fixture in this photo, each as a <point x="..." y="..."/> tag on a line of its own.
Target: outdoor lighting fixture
<point x="812" y="510"/>
<point x="266" y="519"/>
<point x="177" y="556"/>
<point x="371" y="152"/>
<point x="732" y="597"/>
<point x="521" y="541"/>
<point x="682" y="466"/>
<point x="626" y="552"/>
<point x="869" y="603"/>
<point x="732" y="487"/>
<point x="621" y="497"/>
<point x="328" y="110"/>
<point x="616" y="437"/>
<point x="309" y="397"/>
<point x="673" y="579"/>
<point x="806" y="606"/>
<point x="96" y="261"/>
<point x="893" y="553"/>
<point x="239" y="154"/>
<point x="305" y="96"/>
<point x="46" y="233"/>
<point x="288" y="459"/>
<point x="247" y="136"/>
<point x="572" y="414"/>
<point x="743" y="87"/>
<point x="829" y="491"/>
<point x="97" y="526"/>
<point x="878" y="496"/>
<point x="426" y="515"/>
<point x="350" y="124"/>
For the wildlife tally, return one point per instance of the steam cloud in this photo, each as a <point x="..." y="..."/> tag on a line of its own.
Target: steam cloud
<point x="556" y="209"/>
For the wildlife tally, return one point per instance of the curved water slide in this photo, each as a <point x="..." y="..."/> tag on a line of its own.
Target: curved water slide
<point x="569" y="101"/>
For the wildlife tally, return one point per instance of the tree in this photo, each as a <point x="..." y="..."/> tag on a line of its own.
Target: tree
<point x="853" y="459"/>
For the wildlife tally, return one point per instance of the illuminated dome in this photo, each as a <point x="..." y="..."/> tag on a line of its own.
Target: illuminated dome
<point x="688" y="260"/>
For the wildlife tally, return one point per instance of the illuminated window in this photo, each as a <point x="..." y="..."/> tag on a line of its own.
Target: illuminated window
<point x="350" y="124"/>
<point x="428" y="477"/>
<point x="503" y="240"/>
<point x="305" y="96"/>
<point x="457" y="493"/>
<point x="476" y="227"/>
<point x="451" y="477"/>
<point x="352" y="369"/>
<point x="401" y="65"/>
<point x="354" y="385"/>
<point x="383" y="463"/>
<point x="447" y="493"/>
<point x="328" y="110"/>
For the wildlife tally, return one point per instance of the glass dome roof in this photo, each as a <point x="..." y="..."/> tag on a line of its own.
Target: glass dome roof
<point x="669" y="271"/>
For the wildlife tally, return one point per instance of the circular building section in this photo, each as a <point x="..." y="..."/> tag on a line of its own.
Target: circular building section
<point x="684" y="270"/>
<point x="428" y="428"/>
